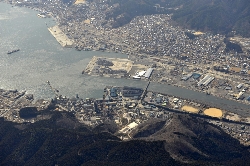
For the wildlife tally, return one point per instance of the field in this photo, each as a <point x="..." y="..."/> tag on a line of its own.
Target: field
<point x="214" y="112"/>
<point x="189" y="109"/>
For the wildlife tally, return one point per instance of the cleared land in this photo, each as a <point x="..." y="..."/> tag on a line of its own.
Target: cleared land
<point x="214" y="112"/>
<point x="79" y="1"/>
<point x="198" y="33"/>
<point x="117" y="65"/>
<point x="86" y="21"/>
<point x="121" y="64"/>
<point x="189" y="109"/>
<point x="235" y="69"/>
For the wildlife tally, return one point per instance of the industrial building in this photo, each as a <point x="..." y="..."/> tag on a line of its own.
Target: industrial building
<point x="131" y="91"/>
<point x="205" y="81"/>
<point x="138" y="75"/>
<point x="196" y="75"/>
<point x="208" y="81"/>
<point x="148" y="73"/>
<point x="239" y="86"/>
<point x="240" y="95"/>
<point x="141" y="73"/>
<point x="113" y="92"/>
<point x="186" y="77"/>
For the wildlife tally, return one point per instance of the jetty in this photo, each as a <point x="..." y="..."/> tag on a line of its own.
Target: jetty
<point x="60" y="36"/>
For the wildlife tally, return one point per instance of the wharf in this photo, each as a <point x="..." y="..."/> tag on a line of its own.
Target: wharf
<point x="60" y="36"/>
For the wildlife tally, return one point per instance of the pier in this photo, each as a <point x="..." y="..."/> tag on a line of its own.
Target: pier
<point x="60" y="36"/>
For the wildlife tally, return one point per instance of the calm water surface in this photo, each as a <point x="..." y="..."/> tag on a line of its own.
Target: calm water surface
<point x="42" y="58"/>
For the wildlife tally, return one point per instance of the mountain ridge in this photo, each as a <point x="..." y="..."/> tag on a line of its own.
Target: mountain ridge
<point x="221" y="16"/>
<point x="62" y="140"/>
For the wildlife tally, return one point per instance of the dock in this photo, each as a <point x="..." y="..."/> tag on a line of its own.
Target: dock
<point x="60" y="36"/>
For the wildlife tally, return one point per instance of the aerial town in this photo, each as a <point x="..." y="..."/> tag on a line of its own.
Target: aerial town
<point x="200" y="64"/>
<point x="158" y="52"/>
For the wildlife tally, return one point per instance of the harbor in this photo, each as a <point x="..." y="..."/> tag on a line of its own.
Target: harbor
<point x="63" y="67"/>
<point x="118" y="97"/>
<point x="60" y="36"/>
<point x="124" y="106"/>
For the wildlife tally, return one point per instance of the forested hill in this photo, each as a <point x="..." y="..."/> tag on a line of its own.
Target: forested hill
<point x="218" y="16"/>
<point x="62" y="140"/>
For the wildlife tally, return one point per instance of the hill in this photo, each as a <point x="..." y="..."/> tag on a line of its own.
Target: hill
<point x="189" y="140"/>
<point x="62" y="140"/>
<point x="217" y="16"/>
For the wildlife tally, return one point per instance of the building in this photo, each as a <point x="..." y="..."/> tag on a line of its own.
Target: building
<point x="113" y="92"/>
<point x="239" y="86"/>
<point x="186" y="77"/>
<point x="131" y="91"/>
<point x="240" y="95"/>
<point x="196" y="75"/>
<point x="208" y="81"/>
<point x="148" y="73"/>
<point x="136" y="77"/>
<point x="205" y="81"/>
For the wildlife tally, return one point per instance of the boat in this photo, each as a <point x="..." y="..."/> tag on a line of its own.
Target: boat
<point x="41" y="15"/>
<point x="10" y="52"/>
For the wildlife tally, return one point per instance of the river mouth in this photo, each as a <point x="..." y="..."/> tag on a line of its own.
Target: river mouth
<point x="41" y="58"/>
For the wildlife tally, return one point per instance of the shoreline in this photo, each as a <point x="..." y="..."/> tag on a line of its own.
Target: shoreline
<point x="156" y="81"/>
<point x="60" y="37"/>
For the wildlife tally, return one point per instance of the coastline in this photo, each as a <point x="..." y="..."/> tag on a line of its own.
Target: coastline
<point x="61" y="37"/>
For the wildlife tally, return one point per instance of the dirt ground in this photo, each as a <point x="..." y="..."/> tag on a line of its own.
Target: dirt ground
<point x="189" y="109"/>
<point x="232" y="116"/>
<point x="198" y="33"/>
<point x="87" y="21"/>
<point x="79" y="1"/>
<point x="235" y="69"/>
<point x="121" y="64"/>
<point x="214" y="112"/>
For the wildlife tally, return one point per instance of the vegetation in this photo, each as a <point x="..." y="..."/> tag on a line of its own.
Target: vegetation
<point x="63" y="140"/>
<point x="57" y="141"/>
<point x="217" y="16"/>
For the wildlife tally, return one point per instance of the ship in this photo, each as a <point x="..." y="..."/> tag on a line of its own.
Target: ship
<point x="41" y="15"/>
<point x="13" y="51"/>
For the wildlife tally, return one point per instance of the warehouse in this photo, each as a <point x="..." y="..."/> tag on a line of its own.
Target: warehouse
<point x="239" y="86"/>
<point x="203" y="80"/>
<point x="186" y="77"/>
<point x="208" y="81"/>
<point x="148" y="73"/>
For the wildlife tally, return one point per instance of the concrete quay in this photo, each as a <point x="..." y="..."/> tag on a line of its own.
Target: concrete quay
<point x="60" y="36"/>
